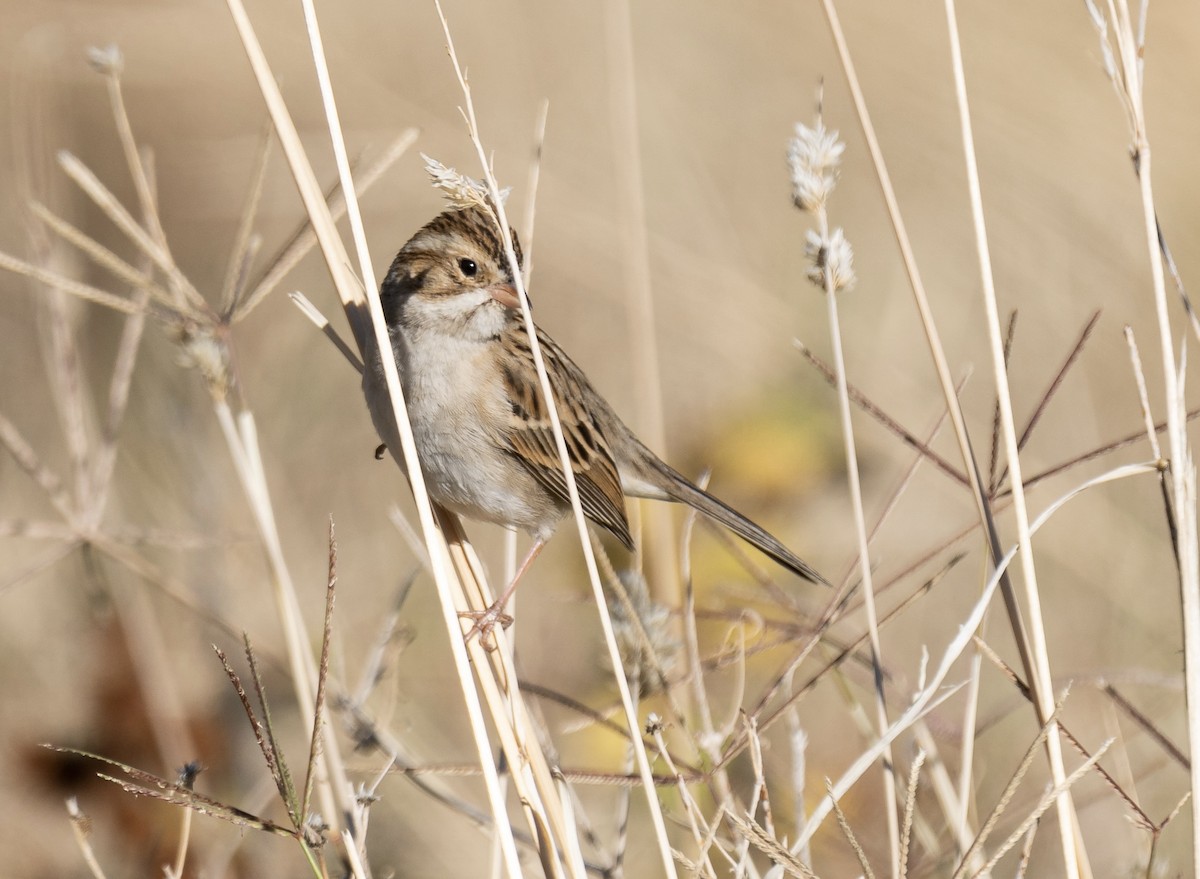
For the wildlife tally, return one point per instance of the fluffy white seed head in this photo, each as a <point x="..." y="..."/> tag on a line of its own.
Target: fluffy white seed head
<point x="813" y="158"/>
<point x="833" y="253"/>
<point x="460" y="190"/>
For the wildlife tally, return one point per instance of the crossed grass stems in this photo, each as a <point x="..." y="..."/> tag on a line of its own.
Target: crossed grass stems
<point x="203" y="335"/>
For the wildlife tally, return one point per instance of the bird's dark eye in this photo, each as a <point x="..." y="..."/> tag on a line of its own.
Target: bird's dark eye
<point x="467" y="267"/>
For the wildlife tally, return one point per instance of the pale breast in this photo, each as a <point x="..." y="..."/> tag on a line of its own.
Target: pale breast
<point x="457" y="405"/>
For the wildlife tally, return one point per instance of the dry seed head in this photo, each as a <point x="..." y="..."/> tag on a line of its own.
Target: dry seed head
<point x="813" y="158"/>
<point x="833" y="253"/>
<point x="655" y="619"/>
<point x="460" y="190"/>
<point x="202" y="348"/>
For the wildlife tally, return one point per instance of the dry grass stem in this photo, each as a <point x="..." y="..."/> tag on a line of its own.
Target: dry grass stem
<point x="244" y="246"/>
<point x="1074" y="855"/>
<point x="910" y="808"/>
<point x="848" y="833"/>
<point x="814" y="155"/>
<point x="81" y="826"/>
<point x="768" y="845"/>
<point x="1124" y="57"/>
<point x="641" y="322"/>
<point x="305" y="238"/>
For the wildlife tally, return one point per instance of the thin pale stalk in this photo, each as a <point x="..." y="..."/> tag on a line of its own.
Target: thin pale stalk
<point x="66" y="285"/>
<point x="143" y="183"/>
<point x="238" y="257"/>
<point x="1182" y="466"/>
<point x="304" y="239"/>
<point x="100" y="254"/>
<point x="118" y="398"/>
<point x="1139" y="376"/>
<point x="68" y="394"/>
<point x="1074" y="855"/>
<point x="81" y="827"/>
<point x="121" y="218"/>
<point x="185" y="835"/>
<point x="966" y="771"/>
<point x="27" y="459"/>
<point x="565" y="462"/>
<point x="641" y="324"/>
<point x="864" y="558"/>
<point x="943" y="789"/>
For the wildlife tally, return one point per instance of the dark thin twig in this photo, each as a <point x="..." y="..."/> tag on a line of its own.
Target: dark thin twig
<point x="283" y="776"/>
<point x="1148" y="727"/>
<point x="1096" y="453"/>
<point x="1084" y="335"/>
<point x="265" y="744"/>
<point x="883" y="418"/>
<point x="1177" y="278"/>
<point x="1038" y="411"/>
<point x="1009" y="335"/>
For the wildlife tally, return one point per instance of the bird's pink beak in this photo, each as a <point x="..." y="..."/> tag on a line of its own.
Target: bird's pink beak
<point x="506" y="295"/>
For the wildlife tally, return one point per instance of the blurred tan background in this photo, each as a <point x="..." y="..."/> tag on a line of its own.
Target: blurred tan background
<point x="718" y="90"/>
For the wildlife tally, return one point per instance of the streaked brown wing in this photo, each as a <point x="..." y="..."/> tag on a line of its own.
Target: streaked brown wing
<point x="531" y="437"/>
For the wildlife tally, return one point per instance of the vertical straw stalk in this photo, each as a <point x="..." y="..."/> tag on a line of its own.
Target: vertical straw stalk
<point x="1074" y="855"/>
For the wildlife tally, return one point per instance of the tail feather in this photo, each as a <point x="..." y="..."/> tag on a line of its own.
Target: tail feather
<point x="678" y="488"/>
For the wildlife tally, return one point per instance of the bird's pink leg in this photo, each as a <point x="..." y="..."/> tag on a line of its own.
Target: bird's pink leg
<point x="485" y="620"/>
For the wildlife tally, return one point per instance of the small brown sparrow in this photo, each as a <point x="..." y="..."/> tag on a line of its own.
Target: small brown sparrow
<point x="481" y="427"/>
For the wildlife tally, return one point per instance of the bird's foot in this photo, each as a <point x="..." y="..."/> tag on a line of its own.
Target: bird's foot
<point x="485" y="623"/>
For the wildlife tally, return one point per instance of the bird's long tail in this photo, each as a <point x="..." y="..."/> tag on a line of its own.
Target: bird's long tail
<point x="678" y="488"/>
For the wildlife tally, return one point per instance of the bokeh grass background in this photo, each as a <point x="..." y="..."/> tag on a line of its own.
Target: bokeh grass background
<point x="718" y="89"/>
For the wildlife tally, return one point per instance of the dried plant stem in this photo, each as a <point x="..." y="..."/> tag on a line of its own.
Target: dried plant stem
<point x="1183" y="471"/>
<point x="306" y="236"/>
<point x="910" y="807"/>
<point x="81" y="827"/>
<point x="241" y="437"/>
<point x="864" y="558"/>
<point x="66" y="285"/>
<point x="954" y="807"/>
<point x="185" y="834"/>
<point x="660" y="532"/>
<point x="529" y="770"/>
<point x="244" y="248"/>
<point x="185" y="294"/>
<point x="1074" y="854"/>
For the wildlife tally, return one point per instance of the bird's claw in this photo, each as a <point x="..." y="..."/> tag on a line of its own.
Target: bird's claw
<point x="485" y="622"/>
